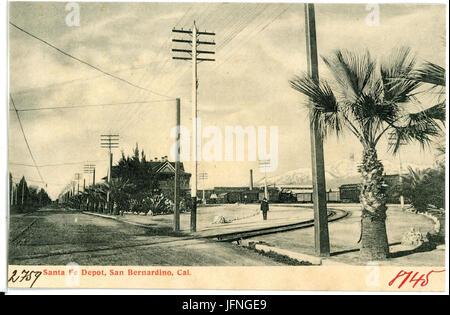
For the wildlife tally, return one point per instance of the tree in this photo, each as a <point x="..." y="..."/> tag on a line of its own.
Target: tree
<point x="120" y="191"/>
<point x="137" y="170"/>
<point x="22" y="194"/>
<point x="365" y="99"/>
<point x="95" y="197"/>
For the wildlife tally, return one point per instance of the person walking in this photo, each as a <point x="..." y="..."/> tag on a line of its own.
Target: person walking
<point x="264" y="208"/>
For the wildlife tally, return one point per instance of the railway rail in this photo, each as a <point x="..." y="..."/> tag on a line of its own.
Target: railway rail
<point x="333" y="215"/>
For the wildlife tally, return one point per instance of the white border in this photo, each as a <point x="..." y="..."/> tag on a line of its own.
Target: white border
<point x="4" y="173"/>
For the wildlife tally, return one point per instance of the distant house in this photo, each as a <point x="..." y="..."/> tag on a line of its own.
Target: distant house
<point x="164" y="172"/>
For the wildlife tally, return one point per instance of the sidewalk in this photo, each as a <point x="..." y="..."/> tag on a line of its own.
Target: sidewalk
<point x="344" y="236"/>
<point x="239" y="218"/>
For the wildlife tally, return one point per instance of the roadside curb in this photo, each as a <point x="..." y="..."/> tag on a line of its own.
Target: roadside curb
<point x="301" y="257"/>
<point x="116" y="219"/>
<point x="297" y="256"/>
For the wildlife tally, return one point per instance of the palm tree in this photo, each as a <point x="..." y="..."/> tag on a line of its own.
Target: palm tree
<point x="433" y="76"/>
<point x="96" y="197"/>
<point x="120" y="192"/>
<point x="365" y="101"/>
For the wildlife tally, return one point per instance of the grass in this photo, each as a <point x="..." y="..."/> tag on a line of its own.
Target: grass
<point x="286" y="260"/>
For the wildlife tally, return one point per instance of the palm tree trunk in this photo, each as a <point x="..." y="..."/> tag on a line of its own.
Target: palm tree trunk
<point x="374" y="241"/>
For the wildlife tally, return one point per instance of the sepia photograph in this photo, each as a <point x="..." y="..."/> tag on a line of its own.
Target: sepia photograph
<point x="199" y="145"/>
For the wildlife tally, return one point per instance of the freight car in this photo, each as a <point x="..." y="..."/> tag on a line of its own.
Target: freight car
<point x="349" y="193"/>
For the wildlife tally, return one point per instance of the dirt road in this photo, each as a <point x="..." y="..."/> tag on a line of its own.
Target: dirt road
<point x="59" y="237"/>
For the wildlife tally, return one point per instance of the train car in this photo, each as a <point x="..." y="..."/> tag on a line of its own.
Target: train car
<point x="286" y="196"/>
<point x="273" y="194"/>
<point x="333" y="196"/>
<point x="304" y="196"/>
<point x="250" y="196"/>
<point x="349" y="193"/>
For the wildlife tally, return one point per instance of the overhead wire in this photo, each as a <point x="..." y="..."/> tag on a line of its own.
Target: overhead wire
<point x="25" y="138"/>
<point x="86" y="63"/>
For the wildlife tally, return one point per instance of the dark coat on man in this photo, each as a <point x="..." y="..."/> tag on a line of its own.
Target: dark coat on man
<point x="264" y="206"/>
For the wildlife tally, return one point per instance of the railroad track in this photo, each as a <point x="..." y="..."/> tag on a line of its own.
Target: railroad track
<point x="17" y="237"/>
<point x="333" y="215"/>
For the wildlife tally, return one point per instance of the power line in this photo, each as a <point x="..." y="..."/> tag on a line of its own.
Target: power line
<point x="86" y="63"/>
<point x="241" y="23"/>
<point x="25" y="138"/>
<point x="36" y="181"/>
<point x="57" y="164"/>
<point x="94" y="105"/>
<point x="83" y="79"/>
<point x="159" y="68"/>
<point x="255" y="32"/>
<point x="131" y="117"/>
<point x="229" y="36"/>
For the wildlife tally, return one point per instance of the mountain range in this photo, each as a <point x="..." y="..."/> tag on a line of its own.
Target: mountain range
<point x="337" y="173"/>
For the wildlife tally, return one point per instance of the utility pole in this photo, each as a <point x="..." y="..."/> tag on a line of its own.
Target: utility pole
<point x="392" y="140"/>
<point x="176" y="199"/>
<point x="264" y="164"/>
<point x="109" y="142"/>
<point x="203" y="176"/>
<point x="23" y="192"/>
<point x="90" y="169"/>
<point x="194" y="53"/>
<point x="11" y="187"/>
<point x="321" y="236"/>
<point x="77" y="178"/>
<point x="17" y="194"/>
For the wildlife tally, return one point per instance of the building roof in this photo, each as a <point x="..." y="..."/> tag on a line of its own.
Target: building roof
<point x="301" y="191"/>
<point x="161" y="167"/>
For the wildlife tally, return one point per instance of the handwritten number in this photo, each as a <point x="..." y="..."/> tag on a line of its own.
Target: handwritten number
<point x="26" y="276"/>
<point x="423" y="279"/>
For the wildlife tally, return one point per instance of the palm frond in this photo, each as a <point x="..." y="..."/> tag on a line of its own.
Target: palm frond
<point x="354" y="72"/>
<point x="420" y="127"/>
<point x="323" y="104"/>
<point x="429" y="73"/>
<point x="395" y="75"/>
<point x="436" y="112"/>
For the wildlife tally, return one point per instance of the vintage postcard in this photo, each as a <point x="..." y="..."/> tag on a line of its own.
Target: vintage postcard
<point x="227" y="146"/>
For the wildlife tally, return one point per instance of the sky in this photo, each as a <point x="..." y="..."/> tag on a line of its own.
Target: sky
<point x="259" y="47"/>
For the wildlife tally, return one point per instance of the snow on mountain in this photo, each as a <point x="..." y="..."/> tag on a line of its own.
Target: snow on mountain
<point x="337" y="173"/>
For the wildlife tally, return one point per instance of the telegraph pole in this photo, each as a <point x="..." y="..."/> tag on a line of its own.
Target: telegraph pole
<point x="77" y="178"/>
<point x="17" y="195"/>
<point x="264" y="164"/>
<point x="11" y="201"/>
<point x="90" y="169"/>
<point x="203" y="176"/>
<point x="194" y="53"/>
<point x="109" y="142"/>
<point x="321" y="236"/>
<point x="176" y="199"/>
<point x="392" y="140"/>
